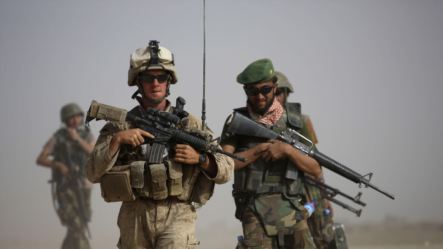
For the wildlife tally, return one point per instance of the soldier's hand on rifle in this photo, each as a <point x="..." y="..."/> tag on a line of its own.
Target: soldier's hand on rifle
<point x="276" y="150"/>
<point x="186" y="154"/>
<point x="134" y="137"/>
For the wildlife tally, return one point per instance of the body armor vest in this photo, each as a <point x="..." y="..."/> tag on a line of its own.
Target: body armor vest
<point x="152" y="175"/>
<point x="262" y="177"/>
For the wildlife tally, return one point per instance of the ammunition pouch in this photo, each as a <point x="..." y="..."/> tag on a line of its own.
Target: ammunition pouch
<point x="137" y="170"/>
<point x="261" y="179"/>
<point x="116" y="185"/>
<point x="242" y="201"/>
<point x="158" y="181"/>
<point x="175" y="180"/>
<point x="155" y="181"/>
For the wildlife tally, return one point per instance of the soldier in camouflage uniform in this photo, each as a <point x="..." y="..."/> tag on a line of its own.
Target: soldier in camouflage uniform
<point x="66" y="154"/>
<point x="159" y="197"/>
<point x="320" y="222"/>
<point x="268" y="188"/>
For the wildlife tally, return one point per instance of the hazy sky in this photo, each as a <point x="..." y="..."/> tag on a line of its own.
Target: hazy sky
<point x="369" y="73"/>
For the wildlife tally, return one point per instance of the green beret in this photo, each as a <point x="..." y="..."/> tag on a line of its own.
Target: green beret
<point x="256" y="72"/>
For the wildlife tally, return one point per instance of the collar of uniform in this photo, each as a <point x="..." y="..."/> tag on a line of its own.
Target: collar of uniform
<point x="167" y="109"/>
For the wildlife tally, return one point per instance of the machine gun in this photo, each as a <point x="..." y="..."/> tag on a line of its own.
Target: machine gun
<point x="241" y="125"/>
<point x="163" y="125"/>
<point x="329" y="193"/>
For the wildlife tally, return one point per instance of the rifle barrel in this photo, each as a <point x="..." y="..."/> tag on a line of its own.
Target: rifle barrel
<point x="333" y="191"/>
<point x="345" y="206"/>
<point x="344" y="171"/>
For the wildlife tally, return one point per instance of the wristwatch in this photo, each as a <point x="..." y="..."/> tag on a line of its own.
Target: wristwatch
<point x="202" y="158"/>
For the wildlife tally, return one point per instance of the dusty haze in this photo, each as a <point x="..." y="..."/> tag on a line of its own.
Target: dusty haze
<point x="369" y="73"/>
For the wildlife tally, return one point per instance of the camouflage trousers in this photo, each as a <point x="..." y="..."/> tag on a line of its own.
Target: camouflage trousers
<point x="149" y="224"/>
<point x="321" y="229"/>
<point x="320" y="222"/>
<point x="255" y="236"/>
<point x="68" y="213"/>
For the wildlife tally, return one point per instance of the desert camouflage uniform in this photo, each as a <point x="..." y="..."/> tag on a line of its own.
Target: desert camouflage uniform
<point x="64" y="189"/>
<point x="167" y="223"/>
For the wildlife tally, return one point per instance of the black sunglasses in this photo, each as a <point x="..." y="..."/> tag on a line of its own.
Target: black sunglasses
<point x="149" y="78"/>
<point x="254" y="91"/>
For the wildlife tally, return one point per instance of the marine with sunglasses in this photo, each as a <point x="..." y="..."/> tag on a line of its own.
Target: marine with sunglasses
<point x="268" y="189"/>
<point x="160" y="191"/>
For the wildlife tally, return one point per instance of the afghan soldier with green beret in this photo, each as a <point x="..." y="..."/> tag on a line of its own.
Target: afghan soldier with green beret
<point x="320" y="222"/>
<point x="268" y="187"/>
<point x="66" y="153"/>
<point x="159" y="194"/>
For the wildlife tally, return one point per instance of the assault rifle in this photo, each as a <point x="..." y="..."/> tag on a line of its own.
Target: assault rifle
<point x="241" y="125"/>
<point x="163" y="125"/>
<point x="329" y="193"/>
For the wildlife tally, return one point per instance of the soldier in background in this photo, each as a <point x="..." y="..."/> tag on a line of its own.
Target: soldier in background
<point x="320" y="222"/>
<point x="159" y="191"/>
<point x="268" y="188"/>
<point x="66" y="154"/>
<point x="326" y="233"/>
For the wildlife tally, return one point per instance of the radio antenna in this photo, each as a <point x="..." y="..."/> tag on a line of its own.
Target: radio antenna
<point x="204" y="68"/>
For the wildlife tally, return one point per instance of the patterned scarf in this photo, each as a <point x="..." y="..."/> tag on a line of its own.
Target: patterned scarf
<point x="271" y="117"/>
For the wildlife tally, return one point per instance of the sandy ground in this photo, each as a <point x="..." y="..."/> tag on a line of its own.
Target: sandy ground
<point x="381" y="236"/>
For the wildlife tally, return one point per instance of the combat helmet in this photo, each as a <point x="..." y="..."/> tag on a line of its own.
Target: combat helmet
<point x="283" y="82"/>
<point x="70" y="110"/>
<point x="151" y="57"/>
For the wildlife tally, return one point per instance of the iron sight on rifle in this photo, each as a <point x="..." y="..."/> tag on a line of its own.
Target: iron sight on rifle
<point x="329" y="193"/>
<point x="241" y="125"/>
<point x="163" y="125"/>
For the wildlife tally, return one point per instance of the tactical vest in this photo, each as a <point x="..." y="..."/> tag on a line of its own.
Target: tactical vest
<point x="261" y="177"/>
<point x="69" y="152"/>
<point x="151" y="175"/>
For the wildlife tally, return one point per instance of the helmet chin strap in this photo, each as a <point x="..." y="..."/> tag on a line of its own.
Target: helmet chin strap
<point x="139" y="95"/>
